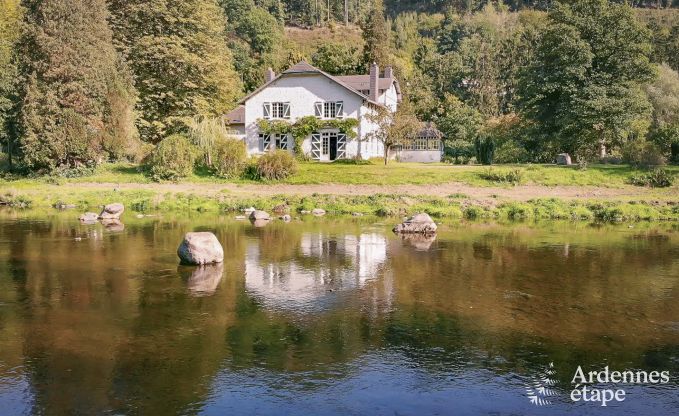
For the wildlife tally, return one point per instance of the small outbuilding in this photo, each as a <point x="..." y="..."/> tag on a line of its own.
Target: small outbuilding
<point x="426" y="147"/>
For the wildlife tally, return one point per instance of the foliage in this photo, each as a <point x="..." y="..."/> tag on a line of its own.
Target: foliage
<point x="276" y="165"/>
<point x="459" y="124"/>
<point x="485" y="148"/>
<point x="204" y="132"/>
<point x="657" y="178"/>
<point x="259" y="29"/>
<point x="172" y="159"/>
<point x="642" y="153"/>
<point x="376" y="36"/>
<point x="513" y="176"/>
<point x="338" y="59"/>
<point x="304" y="126"/>
<point x="583" y="87"/>
<point x="76" y="96"/>
<point x="180" y="59"/>
<point x="229" y="158"/>
<point x="393" y="128"/>
<point x="10" y="19"/>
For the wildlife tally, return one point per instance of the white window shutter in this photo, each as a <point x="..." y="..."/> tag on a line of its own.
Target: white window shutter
<point x="318" y="109"/>
<point x="341" y="146"/>
<point x="339" y="109"/>
<point x="316" y="146"/>
<point x="286" y="110"/>
<point x="267" y="110"/>
<point x="266" y="142"/>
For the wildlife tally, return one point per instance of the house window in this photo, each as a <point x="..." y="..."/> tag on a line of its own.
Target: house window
<point x="281" y="141"/>
<point x="420" y="143"/>
<point x="276" y="110"/>
<point x="329" y="109"/>
<point x="274" y="141"/>
<point x="433" y="144"/>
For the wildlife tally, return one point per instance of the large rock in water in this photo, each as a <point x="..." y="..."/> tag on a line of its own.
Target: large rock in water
<point x="563" y="159"/>
<point x="112" y="211"/>
<point x="200" y="248"/>
<point x="417" y="224"/>
<point x="259" y="216"/>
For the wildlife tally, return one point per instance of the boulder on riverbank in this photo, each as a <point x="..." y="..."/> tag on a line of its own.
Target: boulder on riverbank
<point x="200" y="248"/>
<point x="112" y="211"/>
<point x="417" y="224"/>
<point x="285" y="218"/>
<point x="281" y="209"/>
<point x="319" y="212"/>
<point x="563" y="159"/>
<point x="89" y="218"/>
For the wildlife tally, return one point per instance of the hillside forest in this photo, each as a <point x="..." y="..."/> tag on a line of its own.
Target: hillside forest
<point x="83" y="82"/>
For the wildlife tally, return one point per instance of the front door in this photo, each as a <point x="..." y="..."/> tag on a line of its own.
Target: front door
<point x="333" y="146"/>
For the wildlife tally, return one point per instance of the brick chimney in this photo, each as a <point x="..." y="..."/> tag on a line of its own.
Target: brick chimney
<point x="374" y="81"/>
<point x="270" y="75"/>
<point x="389" y="72"/>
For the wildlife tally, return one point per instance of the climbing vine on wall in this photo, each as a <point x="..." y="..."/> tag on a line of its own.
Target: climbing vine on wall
<point x="304" y="126"/>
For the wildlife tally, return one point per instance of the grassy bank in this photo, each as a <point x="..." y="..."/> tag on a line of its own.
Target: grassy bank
<point x="452" y="206"/>
<point x="377" y="174"/>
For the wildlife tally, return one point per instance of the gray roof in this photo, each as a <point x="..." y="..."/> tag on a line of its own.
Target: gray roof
<point x="236" y="116"/>
<point x="353" y="83"/>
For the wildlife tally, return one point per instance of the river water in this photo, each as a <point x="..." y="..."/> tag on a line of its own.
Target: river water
<point x="333" y="317"/>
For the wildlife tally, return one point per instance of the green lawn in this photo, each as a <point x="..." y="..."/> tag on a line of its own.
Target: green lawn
<point x="392" y="174"/>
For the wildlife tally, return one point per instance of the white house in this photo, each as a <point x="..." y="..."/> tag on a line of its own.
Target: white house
<point x="304" y="90"/>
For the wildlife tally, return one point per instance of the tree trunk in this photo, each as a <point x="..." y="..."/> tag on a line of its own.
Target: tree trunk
<point x="346" y="12"/>
<point x="386" y="154"/>
<point x="602" y="149"/>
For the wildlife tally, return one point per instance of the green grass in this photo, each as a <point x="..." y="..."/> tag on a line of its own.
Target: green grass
<point x="392" y="174"/>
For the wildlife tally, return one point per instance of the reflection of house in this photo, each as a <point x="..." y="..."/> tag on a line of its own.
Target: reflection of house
<point x="425" y="147"/>
<point x="302" y="91"/>
<point x="323" y="268"/>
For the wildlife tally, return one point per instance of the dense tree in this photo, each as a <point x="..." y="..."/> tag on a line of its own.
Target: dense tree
<point x="259" y="29"/>
<point x="180" y="59"/>
<point x="584" y="85"/>
<point x="376" y="36"/>
<point x="77" y="95"/>
<point x="337" y="58"/>
<point x="395" y="128"/>
<point x="10" y="17"/>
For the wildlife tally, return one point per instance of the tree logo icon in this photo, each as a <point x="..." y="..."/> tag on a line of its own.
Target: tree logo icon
<point x="540" y="388"/>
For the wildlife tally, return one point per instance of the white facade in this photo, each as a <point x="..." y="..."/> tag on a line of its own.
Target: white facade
<point x="306" y="91"/>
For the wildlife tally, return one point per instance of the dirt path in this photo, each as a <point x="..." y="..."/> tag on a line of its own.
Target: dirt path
<point x="518" y="193"/>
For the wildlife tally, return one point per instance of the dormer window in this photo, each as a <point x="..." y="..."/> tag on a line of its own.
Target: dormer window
<point x="329" y="109"/>
<point x="277" y="110"/>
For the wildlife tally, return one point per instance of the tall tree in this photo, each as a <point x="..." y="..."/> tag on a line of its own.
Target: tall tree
<point x="180" y="59"/>
<point x="376" y="36"/>
<point x="10" y="18"/>
<point x="584" y="86"/>
<point x="77" y="96"/>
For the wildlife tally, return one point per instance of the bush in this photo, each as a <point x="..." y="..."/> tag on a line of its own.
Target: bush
<point x="172" y="159"/>
<point x="229" y="158"/>
<point x="514" y="176"/>
<point x="485" y="149"/>
<point x="276" y="165"/>
<point x="642" y="153"/>
<point x="657" y="178"/>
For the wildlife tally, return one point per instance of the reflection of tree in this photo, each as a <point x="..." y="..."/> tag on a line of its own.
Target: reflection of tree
<point x="107" y="324"/>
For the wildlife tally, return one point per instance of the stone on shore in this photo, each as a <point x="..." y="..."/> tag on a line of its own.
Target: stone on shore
<point x="417" y="224"/>
<point x="319" y="212"/>
<point x="286" y="218"/>
<point x="112" y="211"/>
<point x="89" y="217"/>
<point x="248" y="211"/>
<point x="200" y="248"/>
<point x="563" y="159"/>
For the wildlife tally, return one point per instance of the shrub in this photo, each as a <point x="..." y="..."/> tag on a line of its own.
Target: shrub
<point x="229" y="158"/>
<point x="172" y="159"/>
<point x="514" y="176"/>
<point x="642" y="153"/>
<point x="276" y="165"/>
<point x="485" y="149"/>
<point x="657" y="178"/>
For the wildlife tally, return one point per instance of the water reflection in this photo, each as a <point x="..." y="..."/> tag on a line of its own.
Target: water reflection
<point x="311" y="316"/>
<point x="203" y="280"/>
